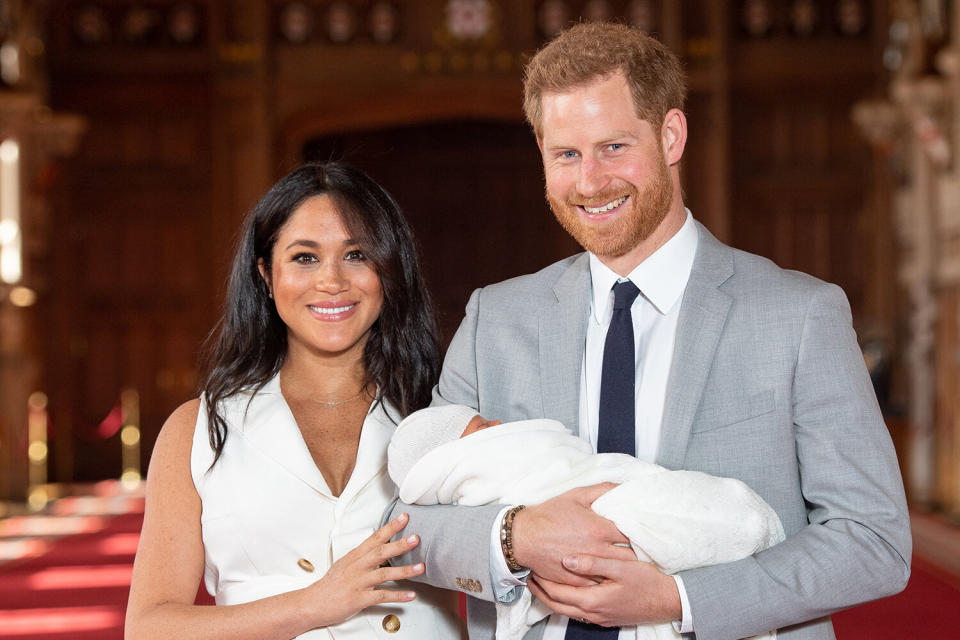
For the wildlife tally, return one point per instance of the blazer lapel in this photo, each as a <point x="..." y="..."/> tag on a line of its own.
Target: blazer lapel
<point x="703" y="313"/>
<point x="563" y="330"/>
<point x="270" y="428"/>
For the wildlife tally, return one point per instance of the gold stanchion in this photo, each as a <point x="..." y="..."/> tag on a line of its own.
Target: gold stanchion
<point x="130" y="439"/>
<point x="37" y="451"/>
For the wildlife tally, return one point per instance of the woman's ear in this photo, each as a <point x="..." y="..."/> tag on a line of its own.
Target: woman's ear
<point x="262" y="267"/>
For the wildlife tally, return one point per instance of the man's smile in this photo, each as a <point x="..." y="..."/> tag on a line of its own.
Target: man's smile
<point x="605" y="208"/>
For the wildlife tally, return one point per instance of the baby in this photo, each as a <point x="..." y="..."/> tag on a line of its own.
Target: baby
<point x="477" y="423"/>
<point x="677" y="520"/>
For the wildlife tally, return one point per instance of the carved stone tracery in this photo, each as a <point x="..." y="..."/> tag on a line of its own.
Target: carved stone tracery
<point x="41" y="136"/>
<point x="917" y="128"/>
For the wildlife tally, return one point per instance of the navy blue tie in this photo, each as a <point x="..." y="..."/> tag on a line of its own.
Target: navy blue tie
<point x="616" y="432"/>
<point x="617" y="423"/>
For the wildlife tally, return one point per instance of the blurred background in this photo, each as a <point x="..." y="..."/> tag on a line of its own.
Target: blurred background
<point x="135" y="135"/>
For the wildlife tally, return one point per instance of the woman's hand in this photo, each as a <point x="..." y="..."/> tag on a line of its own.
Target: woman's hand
<point x="351" y="583"/>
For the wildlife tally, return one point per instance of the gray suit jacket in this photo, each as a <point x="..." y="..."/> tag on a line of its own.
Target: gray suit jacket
<point x="767" y="385"/>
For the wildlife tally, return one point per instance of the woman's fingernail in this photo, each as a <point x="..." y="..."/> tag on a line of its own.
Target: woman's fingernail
<point x="411" y="595"/>
<point x="418" y="566"/>
<point x="570" y="562"/>
<point x="412" y="539"/>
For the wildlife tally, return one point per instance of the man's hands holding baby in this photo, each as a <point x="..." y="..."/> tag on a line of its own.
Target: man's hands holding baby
<point x="580" y="567"/>
<point x="564" y="526"/>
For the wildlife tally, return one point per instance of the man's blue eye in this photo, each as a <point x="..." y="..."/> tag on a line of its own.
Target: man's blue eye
<point x="616" y="146"/>
<point x="569" y="154"/>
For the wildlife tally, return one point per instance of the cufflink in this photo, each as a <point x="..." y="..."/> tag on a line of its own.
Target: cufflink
<point x="305" y="564"/>
<point x="467" y="584"/>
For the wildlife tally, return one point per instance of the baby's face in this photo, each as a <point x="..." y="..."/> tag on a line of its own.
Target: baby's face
<point x="477" y="423"/>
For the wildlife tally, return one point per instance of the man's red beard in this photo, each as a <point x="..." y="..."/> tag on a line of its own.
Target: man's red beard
<point x="644" y="211"/>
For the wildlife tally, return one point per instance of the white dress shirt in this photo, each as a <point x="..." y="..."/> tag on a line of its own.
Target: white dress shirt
<point x="662" y="279"/>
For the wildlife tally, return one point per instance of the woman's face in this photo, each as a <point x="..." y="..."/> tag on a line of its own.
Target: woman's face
<point x="325" y="289"/>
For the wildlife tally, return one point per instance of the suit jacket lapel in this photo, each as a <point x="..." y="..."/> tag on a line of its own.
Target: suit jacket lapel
<point x="563" y="330"/>
<point x="703" y="313"/>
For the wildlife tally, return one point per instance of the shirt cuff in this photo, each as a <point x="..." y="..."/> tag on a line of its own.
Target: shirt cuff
<point x="507" y="585"/>
<point x="686" y="623"/>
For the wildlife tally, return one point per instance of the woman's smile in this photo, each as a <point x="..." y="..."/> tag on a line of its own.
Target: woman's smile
<point x="333" y="311"/>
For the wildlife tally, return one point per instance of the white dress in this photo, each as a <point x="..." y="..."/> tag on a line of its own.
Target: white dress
<point x="268" y="517"/>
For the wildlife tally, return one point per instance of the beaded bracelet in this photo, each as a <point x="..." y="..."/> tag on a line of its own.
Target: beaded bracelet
<point x="506" y="538"/>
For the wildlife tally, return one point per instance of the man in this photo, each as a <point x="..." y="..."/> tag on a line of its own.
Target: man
<point x="739" y="369"/>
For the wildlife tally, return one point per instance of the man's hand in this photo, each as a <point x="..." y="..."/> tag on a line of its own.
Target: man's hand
<point x="565" y="526"/>
<point x="623" y="593"/>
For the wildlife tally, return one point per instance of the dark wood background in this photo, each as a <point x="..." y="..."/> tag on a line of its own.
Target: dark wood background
<point x="185" y="136"/>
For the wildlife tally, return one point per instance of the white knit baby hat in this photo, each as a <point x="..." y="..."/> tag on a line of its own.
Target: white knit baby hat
<point x="423" y="431"/>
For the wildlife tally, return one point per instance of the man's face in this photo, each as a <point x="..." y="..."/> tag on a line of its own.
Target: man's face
<point x="607" y="180"/>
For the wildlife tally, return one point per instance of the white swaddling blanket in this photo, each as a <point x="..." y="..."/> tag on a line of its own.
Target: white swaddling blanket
<point x="677" y="520"/>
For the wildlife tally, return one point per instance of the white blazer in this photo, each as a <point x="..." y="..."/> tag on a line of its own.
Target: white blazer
<point x="271" y="525"/>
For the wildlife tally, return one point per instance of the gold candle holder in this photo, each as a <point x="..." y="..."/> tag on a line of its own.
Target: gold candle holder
<point x="130" y="439"/>
<point x="37" y="451"/>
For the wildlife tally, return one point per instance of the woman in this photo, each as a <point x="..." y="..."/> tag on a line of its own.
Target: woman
<point x="272" y="483"/>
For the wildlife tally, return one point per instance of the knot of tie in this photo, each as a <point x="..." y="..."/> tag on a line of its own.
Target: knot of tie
<point x="624" y="293"/>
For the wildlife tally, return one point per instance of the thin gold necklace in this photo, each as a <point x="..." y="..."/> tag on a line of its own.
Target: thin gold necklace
<point x="340" y="403"/>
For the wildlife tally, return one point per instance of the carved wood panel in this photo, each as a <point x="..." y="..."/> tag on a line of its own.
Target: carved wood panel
<point x="800" y="183"/>
<point x="131" y="296"/>
<point x="187" y="133"/>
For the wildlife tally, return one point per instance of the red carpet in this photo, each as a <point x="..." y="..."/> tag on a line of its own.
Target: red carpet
<point x="928" y="608"/>
<point x="75" y="587"/>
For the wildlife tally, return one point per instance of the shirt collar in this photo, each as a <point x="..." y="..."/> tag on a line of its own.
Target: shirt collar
<point x="661" y="278"/>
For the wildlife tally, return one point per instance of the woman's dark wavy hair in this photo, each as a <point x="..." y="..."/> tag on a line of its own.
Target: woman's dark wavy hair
<point x="249" y="344"/>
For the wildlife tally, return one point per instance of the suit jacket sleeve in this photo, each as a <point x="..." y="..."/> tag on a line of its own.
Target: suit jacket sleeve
<point x="454" y="540"/>
<point x="857" y="544"/>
